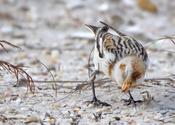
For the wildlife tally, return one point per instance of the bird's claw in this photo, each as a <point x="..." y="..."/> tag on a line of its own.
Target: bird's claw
<point x="97" y="103"/>
<point x="131" y="101"/>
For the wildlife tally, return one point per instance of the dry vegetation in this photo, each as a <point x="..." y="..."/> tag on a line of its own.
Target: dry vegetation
<point x="16" y="70"/>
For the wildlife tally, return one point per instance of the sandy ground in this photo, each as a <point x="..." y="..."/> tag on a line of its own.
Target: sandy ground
<point x="53" y="32"/>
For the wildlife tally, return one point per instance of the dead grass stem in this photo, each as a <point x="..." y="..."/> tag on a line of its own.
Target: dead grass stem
<point x="16" y="69"/>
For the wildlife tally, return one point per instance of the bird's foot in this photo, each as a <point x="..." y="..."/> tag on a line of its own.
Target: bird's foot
<point x="97" y="102"/>
<point x="131" y="101"/>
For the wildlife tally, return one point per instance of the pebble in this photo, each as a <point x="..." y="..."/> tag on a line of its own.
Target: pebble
<point x="116" y="118"/>
<point x="31" y="119"/>
<point x="77" y="109"/>
<point x="54" y="54"/>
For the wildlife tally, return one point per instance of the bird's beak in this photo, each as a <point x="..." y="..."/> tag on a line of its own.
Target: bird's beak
<point x="92" y="28"/>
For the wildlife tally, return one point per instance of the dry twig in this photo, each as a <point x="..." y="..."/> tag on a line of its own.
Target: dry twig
<point x="171" y="38"/>
<point x="54" y="85"/>
<point x="8" y="43"/>
<point x="16" y="70"/>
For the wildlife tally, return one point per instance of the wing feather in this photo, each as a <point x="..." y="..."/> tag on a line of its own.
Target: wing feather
<point x="122" y="46"/>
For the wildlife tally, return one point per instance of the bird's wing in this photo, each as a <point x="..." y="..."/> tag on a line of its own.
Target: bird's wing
<point x="110" y="43"/>
<point x="110" y="48"/>
<point x="122" y="46"/>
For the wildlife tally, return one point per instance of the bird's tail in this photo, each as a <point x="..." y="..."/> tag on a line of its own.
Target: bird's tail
<point x="134" y="71"/>
<point x="127" y="84"/>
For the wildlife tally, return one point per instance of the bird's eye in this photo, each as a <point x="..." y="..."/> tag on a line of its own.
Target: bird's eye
<point x="105" y="28"/>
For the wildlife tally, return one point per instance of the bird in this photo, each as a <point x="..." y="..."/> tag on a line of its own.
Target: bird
<point x="120" y="57"/>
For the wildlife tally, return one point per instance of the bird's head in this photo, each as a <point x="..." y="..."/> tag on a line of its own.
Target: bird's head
<point x="96" y="30"/>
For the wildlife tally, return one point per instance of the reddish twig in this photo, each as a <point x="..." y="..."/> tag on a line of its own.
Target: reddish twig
<point x="18" y="71"/>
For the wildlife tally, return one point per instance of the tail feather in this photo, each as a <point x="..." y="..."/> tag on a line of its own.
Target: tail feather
<point x="127" y="84"/>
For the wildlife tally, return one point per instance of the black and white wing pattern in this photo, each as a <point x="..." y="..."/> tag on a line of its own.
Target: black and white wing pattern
<point x="122" y="46"/>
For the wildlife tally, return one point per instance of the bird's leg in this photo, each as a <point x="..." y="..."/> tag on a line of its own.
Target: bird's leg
<point x="92" y="79"/>
<point x="95" y="101"/>
<point x="131" y="100"/>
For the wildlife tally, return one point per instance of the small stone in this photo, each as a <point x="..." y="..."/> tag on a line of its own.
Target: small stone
<point x="54" y="53"/>
<point x="54" y="56"/>
<point x="116" y="118"/>
<point x="31" y="119"/>
<point x="77" y="109"/>
<point x="49" y="118"/>
<point x="104" y="109"/>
